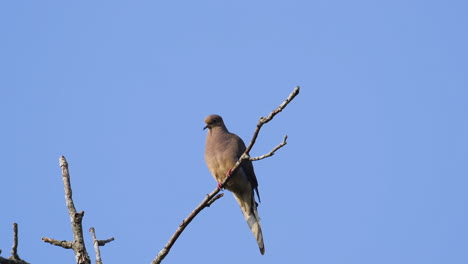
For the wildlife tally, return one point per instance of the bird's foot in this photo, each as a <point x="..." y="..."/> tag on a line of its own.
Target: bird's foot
<point x="228" y="174"/>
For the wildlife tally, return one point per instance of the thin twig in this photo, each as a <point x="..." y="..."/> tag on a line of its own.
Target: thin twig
<point x="60" y="243"/>
<point x="14" y="258"/>
<point x="264" y="120"/>
<point x="96" y="246"/>
<point x="14" y="248"/>
<point x="271" y="153"/>
<point x="97" y="243"/>
<point x="209" y="199"/>
<point x="214" y="199"/>
<point x="102" y="243"/>
<point x="205" y="203"/>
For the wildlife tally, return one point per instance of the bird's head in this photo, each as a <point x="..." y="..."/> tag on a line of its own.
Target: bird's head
<point x="212" y="121"/>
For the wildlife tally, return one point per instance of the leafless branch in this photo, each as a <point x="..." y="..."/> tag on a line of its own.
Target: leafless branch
<point x="59" y="243"/>
<point x="271" y="153"/>
<point x="264" y="120"/>
<point x="11" y="261"/>
<point x="214" y="199"/>
<point x="96" y="246"/>
<point x="210" y="198"/>
<point x="14" y="259"/>
<point x="76" y="218"/>
<point x="97" y="243"/>
<point x="14" y="248"/>
<point x="102" y="243"/>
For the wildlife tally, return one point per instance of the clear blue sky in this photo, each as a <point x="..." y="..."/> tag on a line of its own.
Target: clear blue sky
<point x="376" y="166"/>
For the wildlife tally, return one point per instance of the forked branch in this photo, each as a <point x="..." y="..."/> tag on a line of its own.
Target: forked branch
<point x="78" y="245"/>
<point x="272" y="152"/>
<point x="98" y="243"/>
<point x="210" y="198"/>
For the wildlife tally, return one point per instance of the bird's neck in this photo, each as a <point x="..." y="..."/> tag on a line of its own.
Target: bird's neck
<point x="218" y="130"/>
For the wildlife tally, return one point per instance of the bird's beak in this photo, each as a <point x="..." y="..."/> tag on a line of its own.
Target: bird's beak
<point x="205" y="127"/>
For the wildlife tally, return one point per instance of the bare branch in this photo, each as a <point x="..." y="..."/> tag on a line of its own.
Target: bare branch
<point x="214" y="199"/>
<point x="96" y="246"/>
<point x="271" y="153"/>
<point x="11" y="261"/>
<point x="14" y="259"/>
<point x="76" y="219"/>
<point x="261" y="122"/>
<point x="264" y="120"/>
<point x="14" y="248"/>
<point x="59" y="243"/>
<point x="102" y="243"/>
<point x="205" y="203"/>
<point x="210" y="198"/>
<point x="97" y="243"/>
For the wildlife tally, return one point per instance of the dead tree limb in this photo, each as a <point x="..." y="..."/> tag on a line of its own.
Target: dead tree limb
<point x="76" y="218"/>
<point x="14" y="259"/>
<point x="14" y="248"/>
<point x="97" y="243"/>
<point x="11" y="261"/>
<point x="272" y="152"/>
<point x="59" y="243"/>
<point x="210" y="198"/>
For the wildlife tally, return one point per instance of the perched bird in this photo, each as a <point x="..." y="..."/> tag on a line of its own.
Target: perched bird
<point x="222" y="151"/>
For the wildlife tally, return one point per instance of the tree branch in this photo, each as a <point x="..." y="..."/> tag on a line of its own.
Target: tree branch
<point x="14" y="248"/>
<point x="271" y="153"/>
<point x="59" y="243"/>
<point x="210" y="198"/>
<point x="11" y="261"/>
<point x="14" y="259"/>
<point x="76" y="218"/>
<point x="97" y="243"/>
<point x="214" y="199"/>
<point x="264" y="120"/>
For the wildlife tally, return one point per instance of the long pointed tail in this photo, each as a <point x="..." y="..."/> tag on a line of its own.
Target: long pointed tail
<point x="249" y="210"/>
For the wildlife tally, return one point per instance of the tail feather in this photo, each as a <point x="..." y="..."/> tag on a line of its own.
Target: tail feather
<point x="249" y="210"/>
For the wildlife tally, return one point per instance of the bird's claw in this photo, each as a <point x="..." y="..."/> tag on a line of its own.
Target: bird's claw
<point x="228" y="174"/>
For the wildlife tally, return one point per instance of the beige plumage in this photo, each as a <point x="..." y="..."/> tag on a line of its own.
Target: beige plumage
<point x="222" y="151"/>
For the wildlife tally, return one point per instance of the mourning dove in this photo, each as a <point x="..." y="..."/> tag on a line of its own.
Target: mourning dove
<point x="222" y="151"/>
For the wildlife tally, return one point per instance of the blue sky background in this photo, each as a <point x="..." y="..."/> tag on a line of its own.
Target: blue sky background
<point x="376" y="166"/>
